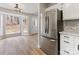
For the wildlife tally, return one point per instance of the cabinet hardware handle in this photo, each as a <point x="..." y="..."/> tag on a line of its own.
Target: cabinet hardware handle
<point x="52" y="40"/>
<point x="66" y="36"/>
<point x="66" y="41"/>
<point x="66" y="52"/>
<point x="78" y="47"/>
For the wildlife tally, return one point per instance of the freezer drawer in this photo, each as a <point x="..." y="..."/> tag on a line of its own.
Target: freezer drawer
<point x="49" y="46"/>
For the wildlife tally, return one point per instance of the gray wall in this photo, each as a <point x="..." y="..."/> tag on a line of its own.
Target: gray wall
<point x="33" y="28"/>
<point x="43" y="6"/>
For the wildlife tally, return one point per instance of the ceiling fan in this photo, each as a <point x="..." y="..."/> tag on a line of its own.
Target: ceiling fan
<point x="17" y="9"/>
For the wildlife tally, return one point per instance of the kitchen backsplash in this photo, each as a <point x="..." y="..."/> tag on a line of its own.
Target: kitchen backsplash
<point x="71" y="25"/>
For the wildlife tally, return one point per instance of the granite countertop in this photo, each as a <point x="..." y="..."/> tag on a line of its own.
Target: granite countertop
<point x="74" y="33"/>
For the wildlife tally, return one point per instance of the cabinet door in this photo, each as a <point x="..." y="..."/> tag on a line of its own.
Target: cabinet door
<point x="76" y="46"/>
<point x="66" y="44"/>
<point x="70" y="11"/>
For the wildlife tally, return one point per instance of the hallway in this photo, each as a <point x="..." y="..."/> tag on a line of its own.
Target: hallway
<point x="20" y="45"/>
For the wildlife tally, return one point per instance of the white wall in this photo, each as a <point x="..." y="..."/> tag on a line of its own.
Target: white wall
<point x="11" y="12"/>
<point x="26" y="7"/>
<point x="1" y="24"/>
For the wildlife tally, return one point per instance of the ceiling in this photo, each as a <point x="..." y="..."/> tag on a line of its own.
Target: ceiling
<point x="27" y="7"/>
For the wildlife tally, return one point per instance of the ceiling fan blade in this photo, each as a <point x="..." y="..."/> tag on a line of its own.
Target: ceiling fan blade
<point x="16" y="6"/>
<point x="17" y="9"/>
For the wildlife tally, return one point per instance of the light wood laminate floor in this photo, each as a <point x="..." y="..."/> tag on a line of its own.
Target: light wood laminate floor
<point x="20" y="45"/>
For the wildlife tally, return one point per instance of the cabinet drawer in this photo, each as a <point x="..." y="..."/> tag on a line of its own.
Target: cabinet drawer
<point x="64" y="52"/>
<point x="67" y="38"/>
<point x="65" y="45"/>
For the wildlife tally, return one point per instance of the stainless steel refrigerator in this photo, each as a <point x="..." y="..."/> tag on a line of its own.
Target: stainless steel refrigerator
<point x="52" y="24"/>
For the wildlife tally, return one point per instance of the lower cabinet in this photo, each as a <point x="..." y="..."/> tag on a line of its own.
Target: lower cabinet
<point x="69" y="45"/>
<point x="64" y="52"/>
<point x="76" y="46"/>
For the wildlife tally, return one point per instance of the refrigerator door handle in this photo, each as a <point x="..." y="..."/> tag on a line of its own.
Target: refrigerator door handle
<point x="78" y="47"/>
<point x="45" y="24"/>
<point x="52" y="40"/>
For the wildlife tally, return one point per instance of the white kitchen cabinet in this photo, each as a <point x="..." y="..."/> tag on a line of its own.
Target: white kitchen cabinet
<point x="76" y="46"/>
<point x="70" y="11"/>
<point x="69" y="44"/>
<point x="66" y="44"/>
<point x="56" y="6"/>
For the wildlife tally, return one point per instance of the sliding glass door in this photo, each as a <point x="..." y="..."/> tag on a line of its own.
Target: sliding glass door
<point x="12" y="24"/>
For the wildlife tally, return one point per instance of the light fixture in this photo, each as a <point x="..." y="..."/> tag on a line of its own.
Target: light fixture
<point x="17" y="9"/>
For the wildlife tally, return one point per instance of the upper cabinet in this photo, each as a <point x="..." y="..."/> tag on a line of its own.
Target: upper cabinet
<point x="55" y="6"/>
<point x="70" y="11"/>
